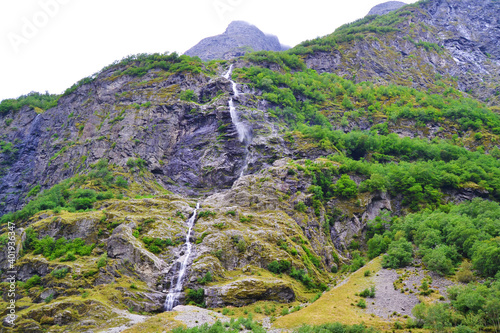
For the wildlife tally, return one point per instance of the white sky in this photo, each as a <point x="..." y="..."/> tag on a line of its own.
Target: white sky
<point x="73" y="39"/>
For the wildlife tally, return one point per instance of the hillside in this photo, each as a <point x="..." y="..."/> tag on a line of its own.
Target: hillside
<point x="299" y="170"/>
<point x="422" y="45"/>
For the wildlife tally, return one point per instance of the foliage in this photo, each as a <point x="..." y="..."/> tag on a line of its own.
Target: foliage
<point x="280" y="266"/>
<point x="188" y="95"/>
<point x="59" y="273"/>
<point x="399" y="254"/>
<point x="157" y="245"/>
<point x="206" y="279"/>
<point x="335" y="328"/>
<point x="346" y="188"/>
<point x="32" y="100"/>
<point x="368" y="292"/>
<point x="470" y="230"/>
<point x="35" y="280"/>
<point x="69" y="195"/>
<point x="140" y="64"/>
<point x="195" y="296"/>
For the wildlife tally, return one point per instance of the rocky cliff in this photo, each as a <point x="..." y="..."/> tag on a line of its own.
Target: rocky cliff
<point x="101" y="184"/>
<point x="238" y="39"/>
<point x="420" y="45"/>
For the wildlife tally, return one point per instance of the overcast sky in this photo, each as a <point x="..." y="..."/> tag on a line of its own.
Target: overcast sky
<point x="47" y="45"/>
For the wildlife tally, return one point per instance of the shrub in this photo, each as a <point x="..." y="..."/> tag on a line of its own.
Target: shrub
<point x="103" y="261"/>
<point x="241" y="246"/>
<point x="59" y="273"/>
<point x="280" y="266"/>
<point x="49" y="298"/>
<point x="346" y="187"/>
<point x="465" y="274"/>
<point x="300" y="207"/>
<point x="361" y="303"/>
<point x="188" y="95"/>
<point x="195" y="296"/>
<point x="400" y="254"/>
<point x="32" y="281"/>
<point x="206" y="279"/>
<point x="437" y="260"/>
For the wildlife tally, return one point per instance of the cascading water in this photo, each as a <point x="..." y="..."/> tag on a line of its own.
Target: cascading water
<point x="244" y="134"/>
<point x="176" y="288"/>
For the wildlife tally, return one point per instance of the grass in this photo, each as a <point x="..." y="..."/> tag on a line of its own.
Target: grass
<point x="335" y="305"/>
<point x="163" y="322"/>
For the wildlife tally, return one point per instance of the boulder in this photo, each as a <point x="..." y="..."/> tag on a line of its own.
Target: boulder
<point x="247" y="291"/>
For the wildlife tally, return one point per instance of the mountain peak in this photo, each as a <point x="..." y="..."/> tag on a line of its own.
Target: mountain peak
<point x="239" y="38"/>
<point x="386" y="7"/>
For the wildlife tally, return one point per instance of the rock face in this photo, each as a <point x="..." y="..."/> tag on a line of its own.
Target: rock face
<point x="386" y="7"/>
<point x="457" y="42"/>
<point x="248" y="291"/>
<point x="239" y="38"/>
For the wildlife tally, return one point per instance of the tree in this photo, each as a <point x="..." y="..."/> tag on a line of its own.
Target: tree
<point x="377" y="245"/>
<point x="486" y="257"/>
<point x="346" y="187"/>
<point x="437" y="260"/>
<point x="400" y="254"/>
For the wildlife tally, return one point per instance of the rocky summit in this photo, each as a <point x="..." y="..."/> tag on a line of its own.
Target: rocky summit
<point x="353" y="179"/>
<point x="239" y="38"/>
<point x="386" y="7"/>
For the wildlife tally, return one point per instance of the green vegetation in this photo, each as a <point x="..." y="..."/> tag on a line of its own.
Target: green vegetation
<point x="140" y="64"/>
<point x="306" y="97"/>
<point x="53" y="249"/>
<point x="188" y="95"/>
<point x="68" y="195"/>
<point x="472" y="306"/>
<point x="335" y="328"/>
<point x="33" y="100"/>
<point x="157" y="245"/>
<point x="59" y="273"/>
<point x="279" y="267"/>
<point x="195" y="297"/>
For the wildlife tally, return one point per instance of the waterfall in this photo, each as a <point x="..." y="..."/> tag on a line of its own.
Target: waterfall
<point x="244" y="135"/>
<point x="176" y="288"/>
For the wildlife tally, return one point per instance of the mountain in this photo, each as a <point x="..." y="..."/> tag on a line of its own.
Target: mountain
<point x="386" y="7"/>
<point x="238" y="39"/>
<point x="259" y="184"/>
<point x="420" y="45"/>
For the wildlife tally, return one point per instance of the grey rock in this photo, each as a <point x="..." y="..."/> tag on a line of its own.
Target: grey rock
<point x="239" y="38"/>
<point x="123" y="245"/>
<point x="248" y="291"/>
<point x="386" y="7"/>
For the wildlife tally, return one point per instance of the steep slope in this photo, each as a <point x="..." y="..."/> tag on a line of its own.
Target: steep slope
<point x="386" y="7"/>
<point x="101" y="180"/>
<point x="421" y="45"/>
<point x="238" y="39"/>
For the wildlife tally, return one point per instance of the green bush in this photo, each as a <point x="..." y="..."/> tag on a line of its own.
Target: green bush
<point x="361" y="303"/>
<point x="35" y="280"/>
<point x="206" y="279"/>
<point x="59" y="273"/>
<point x="278" y="267"/>
<point x="346" y="188"/>
<point x="195" y="296"/>
<point x="400" y="254"/>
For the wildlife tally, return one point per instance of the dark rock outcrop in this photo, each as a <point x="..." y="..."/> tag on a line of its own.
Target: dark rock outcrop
<point x="386" y="7"/>
<point x="239" y="38"/>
